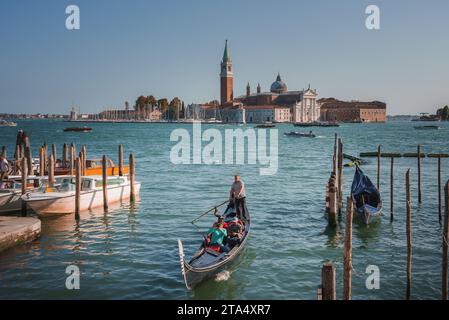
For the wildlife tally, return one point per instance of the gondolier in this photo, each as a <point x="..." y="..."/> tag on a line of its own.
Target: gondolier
<point x="4" y="168"/>
<point x="238" y="193"/>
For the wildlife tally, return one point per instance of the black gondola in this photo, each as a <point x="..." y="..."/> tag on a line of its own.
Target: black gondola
<point x="206" y="263"/>
<point x="366" y="197"/>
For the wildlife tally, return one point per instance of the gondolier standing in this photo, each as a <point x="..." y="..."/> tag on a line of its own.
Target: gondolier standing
<point x="238" y="193"/>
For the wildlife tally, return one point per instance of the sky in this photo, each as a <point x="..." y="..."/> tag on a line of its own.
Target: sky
<point x="128" y="48"/>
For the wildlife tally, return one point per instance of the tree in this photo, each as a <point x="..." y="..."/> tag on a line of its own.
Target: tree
<point x="444" y="113"/>
<point x="152" y="102"/>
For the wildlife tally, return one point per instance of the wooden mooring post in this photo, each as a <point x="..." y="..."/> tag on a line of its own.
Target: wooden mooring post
<point x="328" y="282"/>
<point x="77" y="188"/>
<point x="24" y="184"/>
<point x="392" y="189"/>
<point x="439" y="191"/>
<point x="29" y="160"/>
<point x="72" y="159"/>
<point x="65" y="155"/>
<point x="51" y="171"/>
<point x="53" y="152"/>
<point x="379" y="155"/>
<point x="445" y="243"/>
<point x="419" y="175"/>
<point x="347" y="255"/>
<point x="105" y="183"/>
<point x="409" y="235"/>
<point x="84" y="159"/>
<point x="41" y="162"/>
<point x="120" y="160"/>
<point x="132" y="172"/>
<point x="340" y="175"/>
<point x="333" y="202"/>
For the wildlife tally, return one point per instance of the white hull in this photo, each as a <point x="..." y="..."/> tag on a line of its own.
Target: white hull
<point x="11" y="203"/>
<point x="57" y="203"/>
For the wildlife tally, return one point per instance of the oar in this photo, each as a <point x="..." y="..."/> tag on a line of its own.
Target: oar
<point x="213" y="208"/>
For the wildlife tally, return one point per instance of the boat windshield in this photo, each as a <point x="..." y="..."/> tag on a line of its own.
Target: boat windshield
<point x="60" y="185"/>
<point x="110" y="182"/>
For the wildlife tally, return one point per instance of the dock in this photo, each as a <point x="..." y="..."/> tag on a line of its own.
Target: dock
<point x="18" y="230"/>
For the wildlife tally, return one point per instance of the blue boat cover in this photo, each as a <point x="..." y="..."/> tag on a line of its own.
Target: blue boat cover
<point x="363" y="190"/>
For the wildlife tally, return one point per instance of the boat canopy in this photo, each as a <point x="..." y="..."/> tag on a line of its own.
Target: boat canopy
<point x="363" y="190"/>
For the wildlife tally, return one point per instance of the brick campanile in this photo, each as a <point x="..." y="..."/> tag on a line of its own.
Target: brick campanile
<point x="226" y="78"/>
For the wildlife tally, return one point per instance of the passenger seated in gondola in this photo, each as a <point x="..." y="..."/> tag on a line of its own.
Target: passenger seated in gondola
<point x="235" y="233"/>
<point x="216" y="236"/>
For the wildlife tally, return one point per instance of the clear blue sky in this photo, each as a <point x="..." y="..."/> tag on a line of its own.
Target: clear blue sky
<point x="173" y="48"/>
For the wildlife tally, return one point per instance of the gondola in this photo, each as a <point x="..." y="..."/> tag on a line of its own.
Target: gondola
<point x="366" y="197"/>
<point x="206" y="262"/>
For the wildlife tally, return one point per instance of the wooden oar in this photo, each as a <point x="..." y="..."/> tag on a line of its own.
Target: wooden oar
<point x="213" y="208"/>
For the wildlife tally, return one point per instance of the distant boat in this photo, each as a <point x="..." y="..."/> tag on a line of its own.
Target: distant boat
<point x="366" y="197"/>
<point x="78" y="129"/>
<point x="4" y="123"/>
<point x="266" y="125"/>
<point x="427" y="127"/>
<point x="427" y="117"/>
<point x="300" y="134"/>
<point x="60" y="198"/>
<point x="316" y="124"/>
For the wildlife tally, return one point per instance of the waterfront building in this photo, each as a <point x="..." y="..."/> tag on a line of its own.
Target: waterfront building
<point x="352" y="111"/>
<point x="277" y="105"/>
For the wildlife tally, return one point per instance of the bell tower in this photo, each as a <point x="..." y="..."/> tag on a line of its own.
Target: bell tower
<point x="226" y="78"/>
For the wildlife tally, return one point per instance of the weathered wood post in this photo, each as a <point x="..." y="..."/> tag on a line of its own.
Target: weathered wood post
<point x="24" y="184"/>
<point x="445" y="244"/>
<point x="120" y="160"/>
<point x="72" y="160"/>
<point x="392" y="189"/>
<point x="29" y="160"/>
<point x="45" y="147"/>
<point x="328" y="281"/>
<point x="419" y="175"/>
<point x="84" y="151"/>
<point x="132" y="172"/>
<point x="17" y="160"/>
<point x="340" y="175"/>
<point x="333" y="202"/>
<point x="80" y="156"/>
<point x="105" y="183"/>
<point x="409" y="236"/>
<point x="439" y="191"/>
<point x="77" y="188"/>
<point x="53" y="152"/>
<point x="51" y="171"/>
<point x="64" y="155"/>
<point x="41" y="162"/>
<point x="378" y="167"/>
<point x="327" y="196"/>
<point x="347" y="255"/>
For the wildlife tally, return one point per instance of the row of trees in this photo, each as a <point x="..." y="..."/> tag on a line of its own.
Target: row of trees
<point x="444" y="113"/>
<point x="173" y="110"/>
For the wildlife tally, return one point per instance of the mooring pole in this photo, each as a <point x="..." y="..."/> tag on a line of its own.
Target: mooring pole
<point x="72" y="160"/>
<point x="392" y="189"/>
<point x="120" y="160"/>
<point x="340" y="175"/>
<point x="439" y="191"/>
<point x="328" y="281"/>
<point x="24" y="184"/>
<point x="64" y="155"/>
<point x="347" y="256"/>
<point x="51" y="171"/>
<point x="419" y="175"/>
<point x="53" y="152"/>
<point x="29" y="160"/>
<point x="41" y="162"/>
<point x="378" y="167"/>
<point x="84" y="152"/>
<point x="333" y="202"/>
<point x="105" y="183"/>
<point x="132" y="172"/>
<point x="409" y="235"/>
<point x="77" y="188"/>
<point x="445" y="244"/>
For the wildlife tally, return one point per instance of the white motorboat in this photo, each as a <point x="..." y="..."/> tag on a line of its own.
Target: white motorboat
<point x="4" y="123"/>
<point x="60" y="198"/>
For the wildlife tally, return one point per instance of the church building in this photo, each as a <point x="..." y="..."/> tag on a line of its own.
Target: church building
<point x="276" y="105"/>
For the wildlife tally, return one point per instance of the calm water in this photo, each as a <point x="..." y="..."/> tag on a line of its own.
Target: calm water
<point x="131" y="252"/>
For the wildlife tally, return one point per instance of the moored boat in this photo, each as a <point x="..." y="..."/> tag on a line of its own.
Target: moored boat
<point x="207" y="262"/>
<point x="366" y="197"/>
<point x="266" y="126"/>
<point x="4" y="123"/>
<point x="60" y="198"/>
<point x="427" y="127"/>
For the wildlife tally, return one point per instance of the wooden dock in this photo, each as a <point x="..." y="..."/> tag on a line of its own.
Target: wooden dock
<point x="18" y="230"/>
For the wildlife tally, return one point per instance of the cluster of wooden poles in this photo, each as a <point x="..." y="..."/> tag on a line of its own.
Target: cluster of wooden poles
<point x="77" y="167"/>
<point x="327" y="290"/>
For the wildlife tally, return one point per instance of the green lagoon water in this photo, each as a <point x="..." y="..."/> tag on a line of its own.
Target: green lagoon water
<point x="131" y="252"/>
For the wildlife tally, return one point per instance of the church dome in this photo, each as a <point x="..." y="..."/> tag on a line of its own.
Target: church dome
<point x="278" y="86"/>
